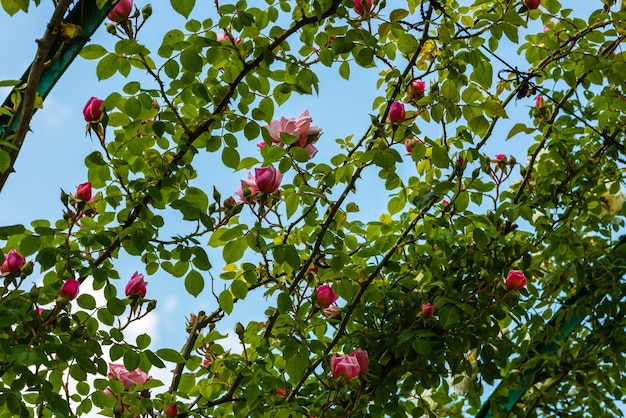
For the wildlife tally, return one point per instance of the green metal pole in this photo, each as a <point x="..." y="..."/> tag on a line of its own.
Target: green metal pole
<point x="563" y="328"/>
<point x="89" y="17"/>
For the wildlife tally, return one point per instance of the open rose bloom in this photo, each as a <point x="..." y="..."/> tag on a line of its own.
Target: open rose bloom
<point x="300" y="128"/>
<point x="128" y="379"/>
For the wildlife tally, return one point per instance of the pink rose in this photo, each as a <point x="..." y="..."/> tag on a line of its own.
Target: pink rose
<point x="247" y="190"/>
<point x="325" y="296"/>
<point x="362" y="359"/>
<point x="128" y="379"/>
<point x="13" y="262"/>
<point x="362" y="7"/>
<point x="70" y="289"/>
<point x="222" y="37"/>
<point x="300" y="128"/>
<point x="515" y="280"/>
<point x="501" y="157"/>
<point x="92" y="112"/>
<point x="121" y="11"/>
<point x="419" y="86"/>
<point x="268" y="179"/>
<point x="396" y="113"/>
<point x="83" y="192"/>
<point x="427" y="310"/>
<point x="136" y="286"/>
<point x="347" y="366"/>
<point x="206" y="362"/>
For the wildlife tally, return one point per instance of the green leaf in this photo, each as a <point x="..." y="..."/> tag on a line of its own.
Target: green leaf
<point x="194" y="283"/>
<point x="234" y="250"/>
<point x="230" y="157"/>
<point x="183" y="7"/>
<point x="239" y="289"/>
<point x="440" y="156"/>
<point x="107" y="66"/>
<point x="5" y="161"/>
<point x="168" y="354"/>
<point x="225" y="301"/>
<point x="517" y="128"/>
<point x="92" y="52"/>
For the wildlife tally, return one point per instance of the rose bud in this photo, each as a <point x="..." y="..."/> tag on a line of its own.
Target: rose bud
<point x="347" y="366"/>
<point x="362" y="7"/>
<point x="70" y="289"/>
<point x="268" y="179"/>
<point x="515" y="280"/>
<point x="136" y="286"/>
<point x="171" y="411"/>
<point x="362" y="359"/>
<point x="532" y="4"/>
<point x="325" y="296"/>
<point x="121" y="11"/>
<point x="396" y="113"/>
<point x="83" y="192"/>
<point x="427" y="310"/>
<point x="13" y="262"/>
<point x="93" y="110"/>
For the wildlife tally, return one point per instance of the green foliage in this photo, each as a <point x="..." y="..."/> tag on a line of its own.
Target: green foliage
<point x="451" y="232"/>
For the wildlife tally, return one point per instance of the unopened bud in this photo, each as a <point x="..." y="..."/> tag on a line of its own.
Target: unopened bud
<point x="240" y="329"/>
<point x="151" y="305"/>
<point x="110" y="27"/>
<point x="146" y="11"/>
<point x="34" y="293"/>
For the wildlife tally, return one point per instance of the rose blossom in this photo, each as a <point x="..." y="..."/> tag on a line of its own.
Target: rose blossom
<point x="396" y="113"/>
<point x="268" y="179"/>
<point x="247" y="190"/>
<point x="349" y="365"/>
<point x="501" y="157"/>
<point x="515" y="280"/>
<point x="222" y="37"/>
<point x="13" y="262"/>
<point x="325" y="296"/>
<point x="83" y="192"/>
<point x="346" y="365"/>
<point x="136" y="286"/>
<point x="362" y="7"/>
<point x="70" y="289"/>
<point x="300" y="128"/>
<point x="121" y="11"/>
<point x="171" y="411"/>
<point x="92" y="112"/>
<point x="128" y="379"/>
<point x="427" y="310"/>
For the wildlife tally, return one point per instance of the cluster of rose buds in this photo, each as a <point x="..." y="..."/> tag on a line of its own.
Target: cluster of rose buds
<point x="349" y="365"/>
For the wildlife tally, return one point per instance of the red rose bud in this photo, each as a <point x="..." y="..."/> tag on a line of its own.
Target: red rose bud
<point x="532" y="4"/>
<point x="136" y="286"/>
<point x="281" y="392"/>
<point x="93" y="110"/>
<point x="121" y="11"/>
<point x="325" y="296"/>
<point x="70" y="289"/>
<point x="13" y="262"/>
<point x="268" y="179"/>
<point x="416" y="89"/>
<point x="501" y="157"/>
<point x="538" y="101"/>
<point x="83" y="192"/>
<point x="515" y="280"/>
<point x="362" y="7"/>
<point x="171" y="411"/>
<point x="427" y="310"/>
<point x="396" y="113"/>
